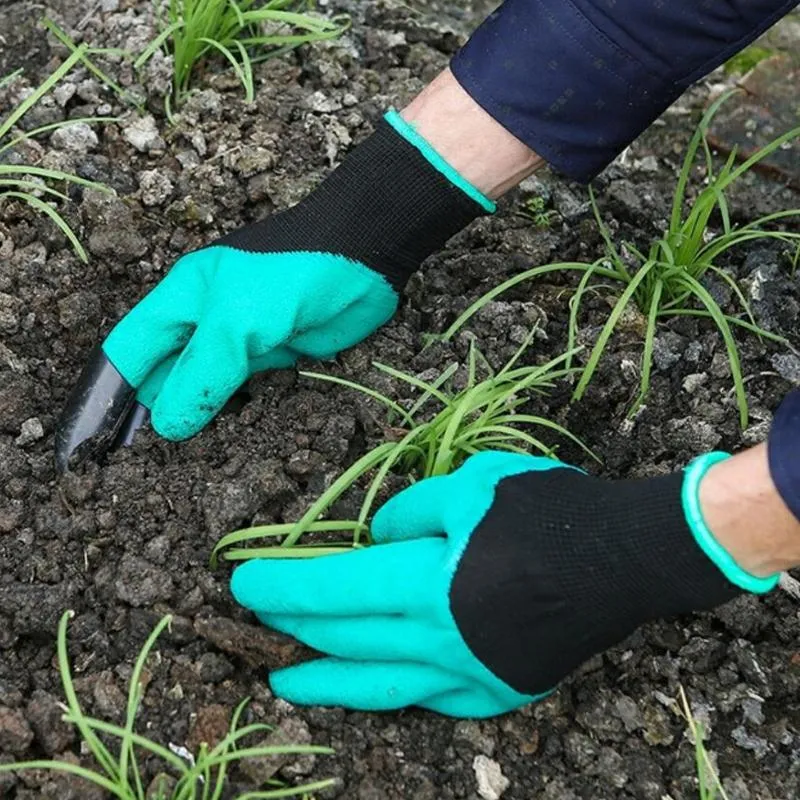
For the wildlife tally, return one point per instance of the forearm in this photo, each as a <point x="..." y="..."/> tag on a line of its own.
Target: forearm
<point x="578" y="80"/>
<point x="468" y="138"/>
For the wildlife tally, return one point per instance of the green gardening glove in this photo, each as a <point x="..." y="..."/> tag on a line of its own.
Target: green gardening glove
<point x="309" y="281"/>
<point x="488" y="586"/>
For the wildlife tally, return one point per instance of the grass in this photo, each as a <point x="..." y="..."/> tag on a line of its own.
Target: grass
<point x="708" y="782"/>
<point x="29" y="183"/>
<point x="85" y="57"/>
<point x="486" y="414"/>
<point x="240" y="33"/>
<point x="666" y="279"/>
<point x="201" y="778"/>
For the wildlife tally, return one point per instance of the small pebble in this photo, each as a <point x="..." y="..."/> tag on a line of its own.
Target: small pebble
<point x="30" y="431"/>
<point x="491" y="781"/>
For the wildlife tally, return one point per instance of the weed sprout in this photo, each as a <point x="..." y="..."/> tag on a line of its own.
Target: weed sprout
<point x="202" y="778"/>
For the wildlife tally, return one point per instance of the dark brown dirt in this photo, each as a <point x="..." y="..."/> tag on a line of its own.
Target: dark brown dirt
<point x="126" y="540"/>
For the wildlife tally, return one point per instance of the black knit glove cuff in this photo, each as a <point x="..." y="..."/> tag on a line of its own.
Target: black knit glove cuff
<point x="565" y="566"/>
<point x="387" y="206"/>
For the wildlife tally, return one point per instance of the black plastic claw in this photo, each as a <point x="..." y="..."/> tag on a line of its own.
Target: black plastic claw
<point x="136" y="418"/>
<point x="100" y="411"/>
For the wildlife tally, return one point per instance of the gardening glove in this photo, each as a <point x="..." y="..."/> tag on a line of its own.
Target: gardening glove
<point x="308" y="281"/>
<point x="488" y="586"/>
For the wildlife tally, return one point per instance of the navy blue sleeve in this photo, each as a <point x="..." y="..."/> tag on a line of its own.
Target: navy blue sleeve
<point x="578" y="80"/>
<point x="783" y="451"/>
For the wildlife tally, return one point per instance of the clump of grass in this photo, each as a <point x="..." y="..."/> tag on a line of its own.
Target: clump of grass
<point x="485" y="414"/>
<point x="666" y="279"/>
<point x="242" y="33"/>
<point x="201" y="778"/>
<point x="708" y="781"/>
<point x="29" y="183"/>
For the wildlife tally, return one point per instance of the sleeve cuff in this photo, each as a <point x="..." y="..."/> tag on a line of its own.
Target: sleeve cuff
<point x="783" y="450"/>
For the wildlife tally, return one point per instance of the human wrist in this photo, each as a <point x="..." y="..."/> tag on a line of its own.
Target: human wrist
<point x="743" y="510"/>
<point x="468" y="138"/>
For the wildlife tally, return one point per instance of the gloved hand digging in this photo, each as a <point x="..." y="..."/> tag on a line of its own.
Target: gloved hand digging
<point x="488" y="586"/>
<point x="309" y="281"/>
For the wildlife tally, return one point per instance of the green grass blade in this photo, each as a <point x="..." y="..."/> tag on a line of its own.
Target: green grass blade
<point x="64" y="123"/>
<point x="437" y="384"/>
<point x="395" y="408"/>
<point x="606" y="235"/>
<point x="157" y="44"/>
<point x="269" y="531"/>
<point x="52" y="174"/>
<point x="429" y="388"/>
<point x="739" y="323"/>
<point x="720" y="273"/>
<point x="118" y="732"/>
<point x="71" y="769"/>
<point x="494" y="293"/>
<point x="397" y="452"/>
<point x="274" y="794"/>
<point x="237" y="67"/>
<point x="574" y="310"/>
<point x="134" y="698"/>
<point x="721" y="322"/>
<point x="82" y="52"/>
<point x="29" y="187"/>
<point x="40" y="91"/>
<point x="293" y="551"/>
<point x="7" y="79"/>
<point x="60" y="222"/>
<point x="649" y="344"/>
<point x="608" y="329"/>
<point x="339" y="486"/>
<point x="532" y="419"/>
<point x="679" y="195"/>
<point x="97" y="748"/>
<point x="512" y="362"/>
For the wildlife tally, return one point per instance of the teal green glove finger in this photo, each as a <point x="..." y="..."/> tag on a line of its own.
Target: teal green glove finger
<point x="452" y="504"/>
<point x="158" y="326"/>
<point x="367" y="685"/>
<point x="472" y="702"/>
<point x="148" y="392"/>
<point x="415" y="513"/>
<point x="192" y="394"/>
<point x="375" y="580"/>
<point x="369" y="638"/>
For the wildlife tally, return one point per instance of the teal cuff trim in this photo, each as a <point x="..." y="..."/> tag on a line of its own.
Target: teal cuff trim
<point x="690" y="497"/>
<point x="410" y="134"/>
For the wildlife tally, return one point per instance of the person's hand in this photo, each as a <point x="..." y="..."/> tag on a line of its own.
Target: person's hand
<point x="488" y="586"/>
<point x="309" y="281"/>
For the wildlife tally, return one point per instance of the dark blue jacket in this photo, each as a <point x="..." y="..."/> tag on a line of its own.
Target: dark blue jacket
<point x="578" y="80"/>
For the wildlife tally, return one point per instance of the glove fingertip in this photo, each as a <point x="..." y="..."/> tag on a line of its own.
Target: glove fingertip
<point x="247" y="584"/>
<point x="291" y="684"/>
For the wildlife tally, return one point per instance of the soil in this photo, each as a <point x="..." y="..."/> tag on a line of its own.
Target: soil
<point x="126" y="540"/>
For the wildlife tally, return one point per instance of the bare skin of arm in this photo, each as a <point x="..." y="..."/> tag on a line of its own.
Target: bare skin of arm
<point x="739" y="501"/>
